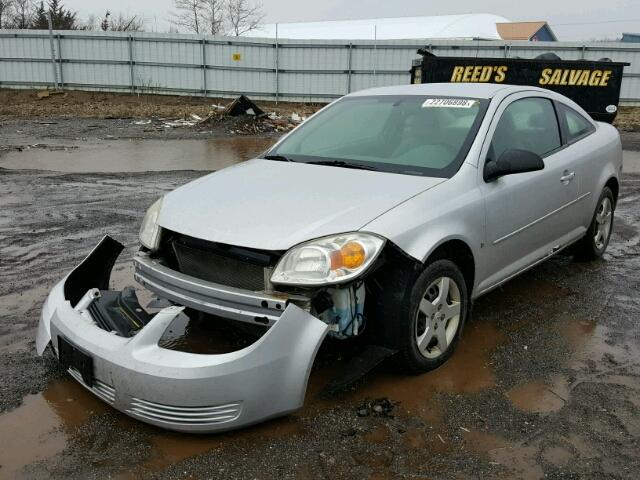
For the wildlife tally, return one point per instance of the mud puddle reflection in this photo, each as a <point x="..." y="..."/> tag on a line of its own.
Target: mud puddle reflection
<point x="135" y="155"/>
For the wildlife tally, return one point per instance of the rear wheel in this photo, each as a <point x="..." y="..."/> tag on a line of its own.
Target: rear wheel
<point x="595" y="242"/>
<point x="430" y="327"/>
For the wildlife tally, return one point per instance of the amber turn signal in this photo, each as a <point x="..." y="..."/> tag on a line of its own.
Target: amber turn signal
<point x="351" y="255"/>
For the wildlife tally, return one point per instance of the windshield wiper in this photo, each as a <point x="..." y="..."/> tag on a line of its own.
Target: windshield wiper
<point x="277" y="158"/>
<point x="343" y="164"/>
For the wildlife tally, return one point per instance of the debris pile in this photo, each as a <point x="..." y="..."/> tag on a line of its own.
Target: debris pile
<point x="240" y="117"/>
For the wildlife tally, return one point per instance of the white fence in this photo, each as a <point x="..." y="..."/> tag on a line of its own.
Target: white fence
<point x="292" y="70"/>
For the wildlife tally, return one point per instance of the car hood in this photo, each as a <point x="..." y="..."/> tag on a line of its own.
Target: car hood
<point x="273" y="205"/>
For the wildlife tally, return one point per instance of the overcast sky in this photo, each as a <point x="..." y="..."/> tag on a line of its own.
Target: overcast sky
<point x="570" y="19"/>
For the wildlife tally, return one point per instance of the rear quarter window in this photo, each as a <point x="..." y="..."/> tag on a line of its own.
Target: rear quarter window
<point x="576" y="126"/>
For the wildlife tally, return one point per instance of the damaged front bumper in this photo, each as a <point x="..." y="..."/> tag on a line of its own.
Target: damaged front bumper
<point x="177" y="390"/>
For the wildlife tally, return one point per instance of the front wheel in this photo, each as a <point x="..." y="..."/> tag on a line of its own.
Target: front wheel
<point x="594" y="243"/>
<point x="431" y="326"/>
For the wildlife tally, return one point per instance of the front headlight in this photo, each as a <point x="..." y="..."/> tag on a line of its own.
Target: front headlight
<point x="328" y="260"/>
<point x="149" y="230"/>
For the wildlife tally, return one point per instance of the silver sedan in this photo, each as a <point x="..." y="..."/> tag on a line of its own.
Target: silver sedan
<point x="385" y="214"/>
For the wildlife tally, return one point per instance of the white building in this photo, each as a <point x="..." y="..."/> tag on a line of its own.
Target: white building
<point x="446" y="27"/>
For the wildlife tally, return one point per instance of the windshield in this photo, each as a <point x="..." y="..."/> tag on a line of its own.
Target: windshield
<point x="410" y="134"/>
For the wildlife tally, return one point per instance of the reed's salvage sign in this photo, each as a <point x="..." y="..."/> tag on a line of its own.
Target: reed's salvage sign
<point x="548" y="76"/>
<point x="595" y="86"/>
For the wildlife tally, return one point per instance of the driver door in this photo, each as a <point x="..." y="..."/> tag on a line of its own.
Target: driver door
<point x="528" y="215"/>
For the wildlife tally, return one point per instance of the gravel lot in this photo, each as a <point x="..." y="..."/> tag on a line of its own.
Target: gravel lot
<point x="545" y="383"/>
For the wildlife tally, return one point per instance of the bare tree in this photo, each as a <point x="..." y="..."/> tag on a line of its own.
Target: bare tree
<point x="244" y="16"/>
<point x="189" y="14"/>
<point x="213" y="16"/>
<point x="6" y="7"/>
<point x="123" y="23"/>
<point x="22" y="13"/>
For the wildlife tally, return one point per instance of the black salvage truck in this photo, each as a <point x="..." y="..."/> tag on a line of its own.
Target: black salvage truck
<point x="594" y="85"/>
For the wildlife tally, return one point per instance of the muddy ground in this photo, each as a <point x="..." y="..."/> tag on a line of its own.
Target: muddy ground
<point x="27" y="104"/>
<point x="545" y="383"/>
<point x="45" y="105"/>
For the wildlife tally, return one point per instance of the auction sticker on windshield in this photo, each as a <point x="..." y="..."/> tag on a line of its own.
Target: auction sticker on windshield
<point x="449" y="103"/>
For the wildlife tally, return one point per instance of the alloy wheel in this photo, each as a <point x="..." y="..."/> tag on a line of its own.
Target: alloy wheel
<point x="438" y="317"/>
<point x="604" y="219"/>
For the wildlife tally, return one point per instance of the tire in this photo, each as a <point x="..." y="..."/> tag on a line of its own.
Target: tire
<point x="593" y="245"/>
<point x="429" y="325"/>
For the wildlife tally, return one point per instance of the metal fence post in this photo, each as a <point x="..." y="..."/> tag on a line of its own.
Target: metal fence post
<point x="375" y="53"/>
<point x="60" y="60"/>
<point x="131" y="73"/>
<point x="349" y="66"/>
<point x="53" y="52"/>
<point x="204" y="67"/>
<point x="277" y="61"/>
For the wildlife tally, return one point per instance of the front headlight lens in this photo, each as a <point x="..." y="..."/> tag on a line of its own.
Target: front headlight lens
<point x="149" y="230"/>
<point x="328" y="260"/>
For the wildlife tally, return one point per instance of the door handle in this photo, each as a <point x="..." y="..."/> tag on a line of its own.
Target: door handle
<point x="567" y="176"/>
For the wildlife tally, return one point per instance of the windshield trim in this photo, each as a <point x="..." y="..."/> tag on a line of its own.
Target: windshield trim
<point x="446" y="172"/>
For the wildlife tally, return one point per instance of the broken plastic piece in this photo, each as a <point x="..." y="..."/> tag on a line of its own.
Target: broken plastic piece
<point x="242" y="106"/>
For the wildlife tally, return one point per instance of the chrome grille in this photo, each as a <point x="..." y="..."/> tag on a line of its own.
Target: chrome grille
<point x="176" y="415"/>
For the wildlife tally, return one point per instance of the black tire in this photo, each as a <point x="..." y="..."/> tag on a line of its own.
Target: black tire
<point x="406" y="326"/>
<point x="587" y="248"/>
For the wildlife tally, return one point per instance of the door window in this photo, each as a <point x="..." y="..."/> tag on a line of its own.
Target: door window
<point x="528" y="124"/>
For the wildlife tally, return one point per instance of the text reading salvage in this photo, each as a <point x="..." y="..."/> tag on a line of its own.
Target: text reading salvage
<point x="548" y="76"/>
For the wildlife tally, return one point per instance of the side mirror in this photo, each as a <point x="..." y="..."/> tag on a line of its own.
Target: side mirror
<point x="511" y="162"/>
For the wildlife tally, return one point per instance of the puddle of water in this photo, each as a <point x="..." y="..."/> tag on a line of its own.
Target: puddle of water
<point x="207" y="336"/>
<point x="538" y="397"/>
<point x="482" y="442"/>
<point x="161" y="155"/>
<point x="557" y="456"/>
<point x="577" y="332"/>
<point x="139" y="155"/>
<point x="520" y="460"/>
<point x="31" y="433"/>
<point x="468" y="371"/>
<point x="38" y="428"/>
<point x="593" y="347"/>
<point x="379" y="434"/>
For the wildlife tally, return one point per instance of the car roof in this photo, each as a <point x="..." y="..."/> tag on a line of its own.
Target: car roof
<point x="473" y="90"/>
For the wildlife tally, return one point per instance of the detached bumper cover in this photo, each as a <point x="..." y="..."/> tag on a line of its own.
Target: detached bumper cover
<point x="184" y="391"/>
